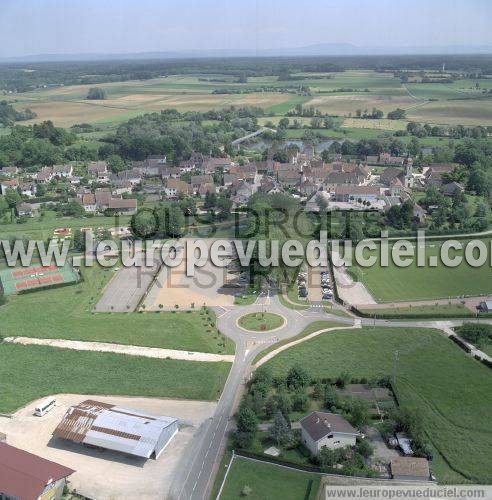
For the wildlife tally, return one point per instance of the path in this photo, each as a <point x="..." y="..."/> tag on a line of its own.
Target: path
<point x="147" y="352"/>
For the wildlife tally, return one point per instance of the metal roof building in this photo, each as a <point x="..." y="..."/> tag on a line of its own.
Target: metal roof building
<point x="116" y="428"/>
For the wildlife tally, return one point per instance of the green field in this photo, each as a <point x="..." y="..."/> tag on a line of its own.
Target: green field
<point x="392" y="283"/>
<point x="65" y="313"/>
<point x="268" y="481"/>
<point x="32" y="372"/>
<point x="261" y="321"/>
<point x="438" y="311"/>
<point x="450" y="389"/>
<point x="313" y="327"/>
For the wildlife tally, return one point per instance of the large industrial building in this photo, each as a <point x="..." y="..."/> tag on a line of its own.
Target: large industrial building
<point x="115" y="428"/>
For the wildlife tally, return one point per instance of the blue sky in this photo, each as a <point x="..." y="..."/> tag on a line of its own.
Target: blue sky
<point x="122" y="26"/>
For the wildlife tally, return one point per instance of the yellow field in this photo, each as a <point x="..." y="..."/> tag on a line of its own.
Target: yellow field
<point x="383" y="124"/>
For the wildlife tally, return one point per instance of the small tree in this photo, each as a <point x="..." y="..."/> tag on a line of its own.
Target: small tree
<point x="280" y="430"/>
<point x="297" y="377"/>
<point x="331" y="397"/>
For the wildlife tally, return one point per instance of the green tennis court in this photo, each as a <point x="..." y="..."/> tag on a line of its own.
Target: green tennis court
<point x="25" y="278"/>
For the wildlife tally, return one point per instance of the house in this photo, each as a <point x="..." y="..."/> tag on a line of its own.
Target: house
<point x="24" y="209"/>
<point x="230" y="179"/>
<point x="335" y="178"/>
<point x="197" y="180"/>
<point x="269" y="185"/>
<point x="434" y="172"/>
<point x="98" y="171"/>
<point x="9" y="171"/>
<point x="288" y="177"/>
<point x="210" y="165"/>
<point x="123" y="206"/>
<point x="123" y="187"/>
<point x="307" y="187"/>
<point x="410" y="469"/>
<point x="25" y="476"/>
<point x="349" y="192"/>
<point x="28" y="189"/>
<point x="389" y="159"/>
<point x="242" y="193"/>
<point x="8" y="184"/>
<point x="176" y="187"/>
<point x="88" y="201"/>
<point x="168" y="172"/>
<point x="326" y="429"/>
<point x="133" y="176"/>
<point x="125" y="430"/>
<point x="103" y="197"/>
<point x="451" y="188"/>
<point x="65" y="171"/>
<point x="248" y="173"/>
<point x="44" y="175"/>
<point x="207" y="188"/>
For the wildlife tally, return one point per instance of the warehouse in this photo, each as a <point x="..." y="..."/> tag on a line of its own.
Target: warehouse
<point x="116" y="428"/>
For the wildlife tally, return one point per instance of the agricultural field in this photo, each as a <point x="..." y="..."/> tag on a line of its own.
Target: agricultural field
<point x="431" y="373"/>
<point x="66" y="313"/>
<point x="268" y="481"/>
<point x="339" y="94"/>
<point x="32" y="372"/>
<point x="392" y="283"/>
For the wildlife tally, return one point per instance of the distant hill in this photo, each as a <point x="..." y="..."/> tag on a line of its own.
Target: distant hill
<point x="321" y="49"/>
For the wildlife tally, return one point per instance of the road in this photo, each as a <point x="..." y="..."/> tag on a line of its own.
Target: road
<point x="199" y="466"/>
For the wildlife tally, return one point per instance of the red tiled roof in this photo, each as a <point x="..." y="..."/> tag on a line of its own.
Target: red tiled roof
<point x="24" y="475"/>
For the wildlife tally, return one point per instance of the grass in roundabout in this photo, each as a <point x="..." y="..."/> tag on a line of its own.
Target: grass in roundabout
<point x="261" y="321"/>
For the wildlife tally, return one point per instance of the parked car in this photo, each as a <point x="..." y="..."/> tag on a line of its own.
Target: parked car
<point x="303" y="293"/>
<point x="327" y="296"/>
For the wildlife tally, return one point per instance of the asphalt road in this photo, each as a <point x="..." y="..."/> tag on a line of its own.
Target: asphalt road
<point x="196" y="475"/>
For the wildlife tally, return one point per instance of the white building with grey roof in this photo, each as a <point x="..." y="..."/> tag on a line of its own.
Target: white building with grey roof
<point x="116" y="428"/>
<point x="326" y="429"/>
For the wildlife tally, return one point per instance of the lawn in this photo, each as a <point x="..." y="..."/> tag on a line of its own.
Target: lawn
<point x="392" y="283"/>
<point x="268" y="481"/>
<point x="31" y="372"/>
<point x="65" y="313"/>
<point x="41" y="228"/>
<point x="450" y="389"/>
<point x="313" y="327"/>
<point x="440" y="310"/>
<point x="261" y="321"/>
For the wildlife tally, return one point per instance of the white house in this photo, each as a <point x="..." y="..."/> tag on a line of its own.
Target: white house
<point x="326" y="429"/>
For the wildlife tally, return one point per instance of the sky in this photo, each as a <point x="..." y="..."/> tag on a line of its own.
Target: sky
<point x="131" y="26"/>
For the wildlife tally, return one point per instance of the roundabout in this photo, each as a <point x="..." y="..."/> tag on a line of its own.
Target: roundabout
<point x="261" y="322"/>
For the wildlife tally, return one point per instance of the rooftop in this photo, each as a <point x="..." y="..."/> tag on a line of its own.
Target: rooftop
<point x="320" y="424"/>
<point x="113" y="427"/>
<point x="24" y="475"/>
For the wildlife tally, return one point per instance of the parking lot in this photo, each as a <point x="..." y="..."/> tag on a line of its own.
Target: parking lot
<point x="127" y="288"/>
<point x="104" y="474"/>
<point x="210" y="286"/>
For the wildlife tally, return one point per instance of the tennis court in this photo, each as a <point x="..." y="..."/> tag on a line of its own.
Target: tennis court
<point x="25" y="278"/>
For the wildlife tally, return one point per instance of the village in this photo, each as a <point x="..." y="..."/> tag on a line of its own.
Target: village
<point x="375" y="183"/>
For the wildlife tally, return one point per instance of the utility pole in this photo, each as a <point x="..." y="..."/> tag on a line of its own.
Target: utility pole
<point x="395" y="367"/>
